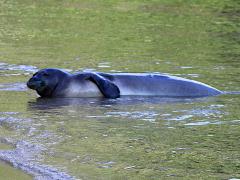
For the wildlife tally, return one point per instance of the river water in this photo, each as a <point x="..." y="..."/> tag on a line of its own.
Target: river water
<point x="129" y="137"/>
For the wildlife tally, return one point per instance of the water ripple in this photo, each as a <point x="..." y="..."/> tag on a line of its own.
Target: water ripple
<point x="145" y="115"/>
<point x="14" y="67"/>
<point x="23" y="158"/>
<point x="202" y="123"/>
<point x="19" y="86"/>
<point x="27" y="153"/>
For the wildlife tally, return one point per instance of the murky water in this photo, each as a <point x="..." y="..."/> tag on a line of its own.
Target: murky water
<point x="129" y="137"/>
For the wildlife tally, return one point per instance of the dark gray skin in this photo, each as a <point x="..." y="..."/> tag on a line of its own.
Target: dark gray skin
<point x="57" y="83"/>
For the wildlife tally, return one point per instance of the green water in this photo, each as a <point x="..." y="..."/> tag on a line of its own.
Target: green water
<point x="128" y="138"/>
<point x="8" y="173"/>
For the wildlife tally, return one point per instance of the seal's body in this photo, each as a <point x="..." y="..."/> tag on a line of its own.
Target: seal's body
<point x="57" y="83"/>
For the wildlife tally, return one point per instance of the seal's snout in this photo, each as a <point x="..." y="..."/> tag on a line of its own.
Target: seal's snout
<point x="34" y="83"/>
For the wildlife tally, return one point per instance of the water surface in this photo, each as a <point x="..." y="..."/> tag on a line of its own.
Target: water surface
<point x="129" y="137"/>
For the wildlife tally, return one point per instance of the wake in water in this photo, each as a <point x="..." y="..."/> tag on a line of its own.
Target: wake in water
<point x="231" y="92"/>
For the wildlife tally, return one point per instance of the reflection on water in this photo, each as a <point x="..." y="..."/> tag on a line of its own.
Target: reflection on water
<point x="125" y="107"/>
<point x="142" y="108"/>
<point x="55" y="103"/>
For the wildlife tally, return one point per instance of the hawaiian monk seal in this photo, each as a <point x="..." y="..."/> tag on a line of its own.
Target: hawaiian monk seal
<point x="57" y="83"/>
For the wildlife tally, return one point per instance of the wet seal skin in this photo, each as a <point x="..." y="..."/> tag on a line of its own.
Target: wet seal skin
<point x="52" y="82"/>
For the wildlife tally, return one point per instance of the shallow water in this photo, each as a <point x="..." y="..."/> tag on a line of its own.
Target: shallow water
<point x="129" y="137"/>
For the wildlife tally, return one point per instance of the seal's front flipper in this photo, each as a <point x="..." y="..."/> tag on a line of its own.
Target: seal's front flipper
<point x="107" y="88"/>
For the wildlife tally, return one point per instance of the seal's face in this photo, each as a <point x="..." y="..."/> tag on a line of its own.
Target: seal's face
<point x="45" y="81"/>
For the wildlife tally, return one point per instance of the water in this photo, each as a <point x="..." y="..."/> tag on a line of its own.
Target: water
<point x="129" y="137"/>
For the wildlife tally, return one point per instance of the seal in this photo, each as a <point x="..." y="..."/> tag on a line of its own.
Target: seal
<point x="52" y="82"/>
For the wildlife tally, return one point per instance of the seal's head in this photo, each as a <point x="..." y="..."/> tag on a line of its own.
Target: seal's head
<point x="46" y="81"/>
